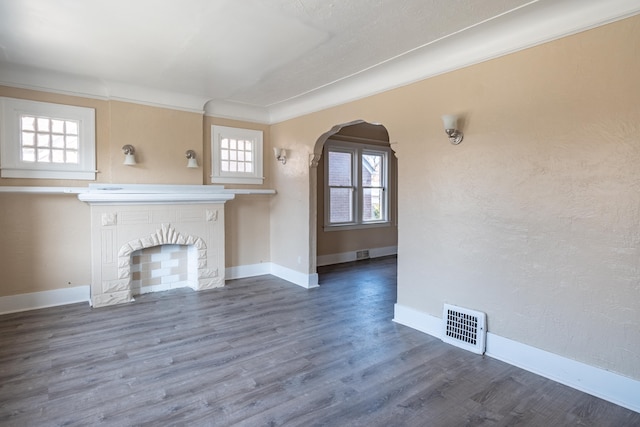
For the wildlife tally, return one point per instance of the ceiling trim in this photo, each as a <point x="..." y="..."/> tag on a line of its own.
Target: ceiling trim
<point x="32" y="78"/>
<point x="237" y="111"/>
<point x="155" y="98"/>
<point x="536" y="23"/>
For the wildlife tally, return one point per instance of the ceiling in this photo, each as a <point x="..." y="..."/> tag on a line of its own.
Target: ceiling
<point x="268" y="60"/>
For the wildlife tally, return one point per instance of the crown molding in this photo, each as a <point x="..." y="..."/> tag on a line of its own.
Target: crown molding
<point x="237" y="111"/>
<point x="531" y="25"/>
<point x="32" y="78"/>
<point x="26" y="77"/>
<point x="155" y="97"/>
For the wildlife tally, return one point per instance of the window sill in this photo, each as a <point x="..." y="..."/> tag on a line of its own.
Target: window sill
<point x="345" y="227"/>
<point x="237" y="180"/>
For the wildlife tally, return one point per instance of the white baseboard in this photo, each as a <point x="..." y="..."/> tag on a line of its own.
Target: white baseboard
<point x="35" y="300"/>
<point x="44" y="299"/>
<point x="595" y="381"/>
<point x="351" y="256"/>
<point x="305" y="280"/>
<point x="250" y="270"/>
<point x="598" y="382"/>
<point x="418" y="320"/>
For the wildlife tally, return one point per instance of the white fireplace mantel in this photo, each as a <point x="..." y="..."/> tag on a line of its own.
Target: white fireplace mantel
<point x="122" y="194"/>
<point x="130" y="217"/>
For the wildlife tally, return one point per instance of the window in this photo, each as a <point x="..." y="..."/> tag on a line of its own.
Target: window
<point x="236" y="155"/>
<point x="45" y="140"/>
<point x="356" y="185"/>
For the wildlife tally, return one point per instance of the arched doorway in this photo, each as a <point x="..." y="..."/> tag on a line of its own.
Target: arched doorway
<point x="368" y="239"/>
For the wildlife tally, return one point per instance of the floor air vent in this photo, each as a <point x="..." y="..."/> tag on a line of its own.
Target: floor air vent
<point x="464" y="328"/>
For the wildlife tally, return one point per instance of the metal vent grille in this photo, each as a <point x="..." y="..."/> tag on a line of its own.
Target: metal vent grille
<point x="464" y="328"/>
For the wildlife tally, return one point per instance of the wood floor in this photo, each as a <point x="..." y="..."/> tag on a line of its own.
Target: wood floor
<point x="264" y="352"/>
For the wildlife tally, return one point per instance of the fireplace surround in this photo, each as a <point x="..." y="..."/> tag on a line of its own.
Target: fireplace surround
<point x="126" y="218"/>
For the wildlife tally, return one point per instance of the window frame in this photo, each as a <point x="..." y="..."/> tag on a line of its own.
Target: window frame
<point x="218" y="176"/>
<point x="11" y="163"/>
<point x="357" y="150"/>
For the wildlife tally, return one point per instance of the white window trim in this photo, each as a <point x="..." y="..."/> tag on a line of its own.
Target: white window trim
<point x="357" y="149"/>
<point x="11" y="165"/>
<point x="221" y="177"/>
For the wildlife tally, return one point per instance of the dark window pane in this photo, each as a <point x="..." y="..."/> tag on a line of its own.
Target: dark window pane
<point x="341" y="204"/>
<point x="340" y="169"/>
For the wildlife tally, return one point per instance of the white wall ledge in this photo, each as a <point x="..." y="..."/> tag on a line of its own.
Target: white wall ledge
<point x="42" y="190"/>
<point x="150" y="189"/>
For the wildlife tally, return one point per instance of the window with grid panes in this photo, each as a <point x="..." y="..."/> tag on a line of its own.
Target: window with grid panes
<point x="46" y="140"/>
<point x="236" y="155"/>
<point x="356" y="185"/>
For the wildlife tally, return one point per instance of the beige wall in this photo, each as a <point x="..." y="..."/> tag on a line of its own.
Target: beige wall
<point x="45" y="243"/>
<point x="247" y="237"/>
<point x="53" y="230"/>
<point x="46" y="240"/>
<point x="161" y="137"/>
<point x="247" y="230"/>
<point x="534" y="218"/>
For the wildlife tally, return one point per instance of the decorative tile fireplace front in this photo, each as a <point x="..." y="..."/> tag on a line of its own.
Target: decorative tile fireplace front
<point x="123" y="222"/>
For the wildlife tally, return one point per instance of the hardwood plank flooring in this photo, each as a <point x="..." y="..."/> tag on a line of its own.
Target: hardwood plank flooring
<point x="264" y="352"/>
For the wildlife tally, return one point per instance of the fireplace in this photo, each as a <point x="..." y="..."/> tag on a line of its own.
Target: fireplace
<point x="128" y="218"/>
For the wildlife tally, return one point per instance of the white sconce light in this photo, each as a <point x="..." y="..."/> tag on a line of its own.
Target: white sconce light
<point x="281" y="154"/>
<point x="451" y="128"/>
<point x="191" y="159"/>
<point x="129" y="155"/>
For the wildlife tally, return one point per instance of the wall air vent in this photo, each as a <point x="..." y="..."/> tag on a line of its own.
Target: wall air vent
<point x="363" y="254"/>
<point x="464" y="328"/>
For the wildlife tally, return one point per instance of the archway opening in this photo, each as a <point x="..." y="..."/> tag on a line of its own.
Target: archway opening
<point x="356" y="219"/>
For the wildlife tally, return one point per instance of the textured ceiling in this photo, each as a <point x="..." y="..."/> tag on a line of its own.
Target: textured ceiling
<point x="255" y="53"/>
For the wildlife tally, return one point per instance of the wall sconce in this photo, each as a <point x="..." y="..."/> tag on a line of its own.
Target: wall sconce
<point x="191" y="159"/>
<point x="451" y="128"/>
<point x="129" y="155"/>
<point x="281" y="154"/>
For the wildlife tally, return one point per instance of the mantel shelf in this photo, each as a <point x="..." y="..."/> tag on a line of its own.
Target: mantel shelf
<point x="159" y="198"/>
<point x="143" y="193"/>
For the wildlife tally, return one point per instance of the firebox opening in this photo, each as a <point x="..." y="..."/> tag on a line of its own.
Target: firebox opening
<point x="163" y="267"/>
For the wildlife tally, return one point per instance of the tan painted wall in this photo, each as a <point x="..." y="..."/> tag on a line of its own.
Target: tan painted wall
<point x="53" y="231"/>
<point x="247" y="237"/>
<point x="45" y="243"/>
<point x="46" y="240"/>
<point x="161" y="137"/>
<point x="535" y="217"/>
<point x="247" y="230"/>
